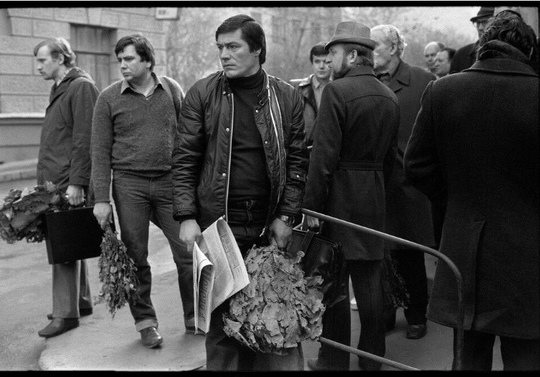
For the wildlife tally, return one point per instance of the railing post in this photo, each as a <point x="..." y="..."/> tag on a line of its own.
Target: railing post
<point x="458" y="348"/>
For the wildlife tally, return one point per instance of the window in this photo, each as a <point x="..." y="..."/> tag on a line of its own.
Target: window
<point x="93" y="47"/>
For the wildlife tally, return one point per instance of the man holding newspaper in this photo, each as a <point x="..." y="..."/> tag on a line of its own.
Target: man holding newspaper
<point x="240" y="154"/>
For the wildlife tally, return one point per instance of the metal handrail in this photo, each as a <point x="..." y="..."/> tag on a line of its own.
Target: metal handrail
<point x="461" y="309"/>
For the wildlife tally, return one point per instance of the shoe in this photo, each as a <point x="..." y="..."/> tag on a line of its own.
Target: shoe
<point x="82" y="312"/>
<point x="313" y="364"/>
<point x="58" y="326"/>
<point x="150" y="337"/>
<point x="354" y="306"/>
<point x="416" y="331"/>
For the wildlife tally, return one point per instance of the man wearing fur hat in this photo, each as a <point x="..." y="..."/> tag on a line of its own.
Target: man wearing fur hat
<point x="354" y="146"/>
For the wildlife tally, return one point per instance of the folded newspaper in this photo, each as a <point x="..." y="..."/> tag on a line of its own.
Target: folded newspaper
<point x="219" y="271"/>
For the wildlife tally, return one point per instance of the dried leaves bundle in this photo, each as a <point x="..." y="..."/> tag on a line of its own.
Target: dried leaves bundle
<point x="279" y="308"/>
<point x="20" y="212"/>
<point x="116" y="273"/>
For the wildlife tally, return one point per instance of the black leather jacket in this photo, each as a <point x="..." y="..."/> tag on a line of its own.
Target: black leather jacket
<point x="201" y="156"/>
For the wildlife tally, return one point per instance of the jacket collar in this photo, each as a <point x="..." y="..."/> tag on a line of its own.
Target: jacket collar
<point x="125" y="84"/>
<point x="57" y="91"/>
<point x="360" y="70"/>
<point x="503" y="65"/>
<point x="262" y="96"/>
<point x="401" y="78"/>
<point x="305" y="81"/>
<point x="498" y="56"/>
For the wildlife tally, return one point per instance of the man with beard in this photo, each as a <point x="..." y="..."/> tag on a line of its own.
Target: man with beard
<point x="354" y="147"/>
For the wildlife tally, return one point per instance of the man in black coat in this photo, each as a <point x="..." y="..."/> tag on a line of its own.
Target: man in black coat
<point x="353" y="151"/>
<point x="466" y="55"/>
<point x="475" y="144"/>
<point x="408" y="211"/>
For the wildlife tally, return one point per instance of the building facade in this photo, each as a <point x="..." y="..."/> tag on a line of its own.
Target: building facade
<point x="92" y="33"/>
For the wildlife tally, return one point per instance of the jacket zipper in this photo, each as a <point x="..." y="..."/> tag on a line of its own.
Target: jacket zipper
<point x="274" y="126"/>
<point x="229" y="159"/>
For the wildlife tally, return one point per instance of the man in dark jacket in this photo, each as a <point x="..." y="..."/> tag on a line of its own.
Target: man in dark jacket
<point x="64" y="160"/>
<point x="408" y="211"/>
<point x="312" y="87"/>
<point x="475" y="144"/>
<point x="353" y="152"/>
<point x="240" y="153"/>
<point x="466" y="55"/>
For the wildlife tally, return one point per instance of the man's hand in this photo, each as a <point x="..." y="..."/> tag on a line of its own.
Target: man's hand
<point x="75" y="195"/>
<point x="313" y="223"/>
<point x="280" y="234"/>
<point x="103" y="214"/>
<point x="190" y="232"/>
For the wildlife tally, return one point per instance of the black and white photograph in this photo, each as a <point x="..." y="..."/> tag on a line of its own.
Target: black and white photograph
<point x="269" y="186"/>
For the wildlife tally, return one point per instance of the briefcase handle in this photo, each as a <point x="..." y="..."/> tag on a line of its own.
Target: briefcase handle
<point x="308" y="237"/>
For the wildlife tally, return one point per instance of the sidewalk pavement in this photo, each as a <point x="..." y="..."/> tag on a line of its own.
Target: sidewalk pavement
<point x="15" y="170"/>
<point x="105" y="343"/>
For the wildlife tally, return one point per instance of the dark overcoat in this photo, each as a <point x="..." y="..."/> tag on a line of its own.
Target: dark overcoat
<point x="464" y="58"/>
<point x="64" y="151"/>
<point x="408" y="211"/>
<point x="476" y="141"/>
<point x="355" y="138"/>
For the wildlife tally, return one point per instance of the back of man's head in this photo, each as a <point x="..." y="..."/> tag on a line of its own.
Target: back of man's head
<point x="510" y="28"/>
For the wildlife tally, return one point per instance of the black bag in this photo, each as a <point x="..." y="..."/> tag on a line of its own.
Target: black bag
<point x="72" y="234"/>
<point x="324" y="258"/>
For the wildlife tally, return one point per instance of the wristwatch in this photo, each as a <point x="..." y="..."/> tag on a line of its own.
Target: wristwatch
<point x="289" y="220"/>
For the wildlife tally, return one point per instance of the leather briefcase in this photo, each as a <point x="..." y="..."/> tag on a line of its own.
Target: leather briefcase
<point x="72" y="234"/>
<point x="324" y="258"/>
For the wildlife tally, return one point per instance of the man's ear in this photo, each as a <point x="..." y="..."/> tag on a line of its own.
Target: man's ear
<point x="60" y="58"/>
<point x="257" y="52"/>
<point x="393" y="49"/>
<point x="351" y="56"/>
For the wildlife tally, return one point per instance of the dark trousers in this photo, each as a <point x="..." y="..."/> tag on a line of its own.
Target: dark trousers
<point x="368" y="290"/>
<point x="410" y="264"/>
<point x="517" y="354"/>
<point x="71" y="289"/>
<point x="139" y="200"/>
<point x="223" y="353"/>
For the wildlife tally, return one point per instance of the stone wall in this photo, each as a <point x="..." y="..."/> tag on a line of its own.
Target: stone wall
<point x="22" y="89"/>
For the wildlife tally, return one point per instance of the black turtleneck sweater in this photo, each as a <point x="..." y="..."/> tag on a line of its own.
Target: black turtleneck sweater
<point x="249" y="179"/>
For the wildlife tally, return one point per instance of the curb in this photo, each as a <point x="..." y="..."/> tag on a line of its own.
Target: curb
<point x="17" y="175"/>
<point x="17" y="170"/>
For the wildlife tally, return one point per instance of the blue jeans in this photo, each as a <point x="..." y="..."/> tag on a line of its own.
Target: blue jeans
<point x="140" y="199"/>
